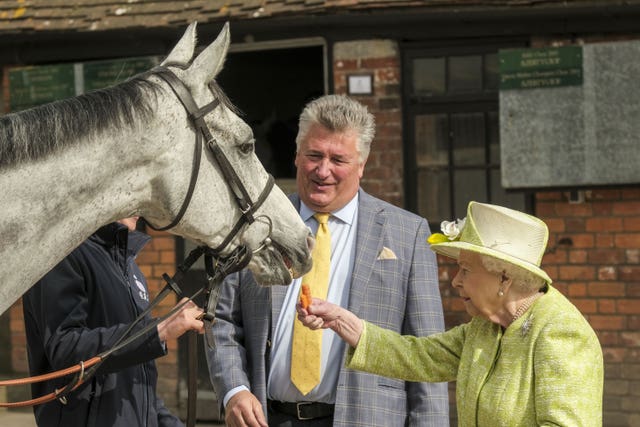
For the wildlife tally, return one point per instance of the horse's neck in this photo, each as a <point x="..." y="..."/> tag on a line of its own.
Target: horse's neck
<point x="52" y="205"/>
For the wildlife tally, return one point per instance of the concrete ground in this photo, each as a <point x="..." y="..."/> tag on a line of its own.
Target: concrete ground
<point x="12" y="418"/>
<point x="22" y="418"/>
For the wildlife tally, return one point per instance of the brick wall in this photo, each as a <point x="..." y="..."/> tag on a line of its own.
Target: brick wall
<point x="383" y="175"/>
<point x="594" y="259"/>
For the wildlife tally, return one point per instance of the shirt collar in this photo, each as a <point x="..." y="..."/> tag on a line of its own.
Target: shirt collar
<point x="345" y="214"/>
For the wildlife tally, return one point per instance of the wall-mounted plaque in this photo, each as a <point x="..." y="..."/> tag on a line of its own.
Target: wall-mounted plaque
<point x="576" y="135"/>
<point x="540" y="68"/>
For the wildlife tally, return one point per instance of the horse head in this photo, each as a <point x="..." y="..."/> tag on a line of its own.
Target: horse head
<point x="230" y="200"/>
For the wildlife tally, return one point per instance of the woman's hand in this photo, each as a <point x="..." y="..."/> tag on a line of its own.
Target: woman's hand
<point x="322" y="315"/>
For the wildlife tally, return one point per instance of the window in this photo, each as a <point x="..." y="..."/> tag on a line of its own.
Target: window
<point x="452" y="131"/>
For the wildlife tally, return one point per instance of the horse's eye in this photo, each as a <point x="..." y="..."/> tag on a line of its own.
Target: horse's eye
<point x="246" y="147"/>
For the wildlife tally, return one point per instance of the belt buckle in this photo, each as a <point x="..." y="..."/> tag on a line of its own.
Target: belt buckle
<point x="299" y="414"/>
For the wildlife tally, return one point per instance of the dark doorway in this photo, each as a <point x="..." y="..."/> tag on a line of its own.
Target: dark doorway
<point x="270" y="87"/>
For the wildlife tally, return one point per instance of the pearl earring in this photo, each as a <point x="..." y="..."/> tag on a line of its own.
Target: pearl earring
<point x="500" y="292"/>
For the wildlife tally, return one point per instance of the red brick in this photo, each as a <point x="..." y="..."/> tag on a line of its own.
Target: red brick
<point x="574" y="210"/>
<point x="615" y="355"/>
<point x="602" y="209"/>
<point x="626" y="208"/>
<point x="586" y="305"/>
<point x="159" y="269"/>
<point x="163" y="243"/>
<point x="629" y="273"/>
<point x="606" y="256"/>
<point x="633" y="289"/>
<point x="607" y="338"/>
<point x="167" y="257"/>
<point x="376" y="63"/>
<point x="346" y="64"/>
<point x="627" y="240"/>
<point x="607" y="273"/>
<point x="577" y="290"/>
<point x="583" y="240"/>
<point x="555" y="225"/>
<point x="148" y="257"/>
<point x="631" y="224"/>
<point x="630" y="193"/>
<point x="604" y="240"/>
<point x="606" y="306"/>
<point x="629" y="306"/>
<point x="631" y="339"/>
<point x="577" y="273"/>
<point x="607" y="323"/>
<point x="604" y="224"/>
<point x="558" y="256"/>
<point x="633" y="322"/>
<point x="605" y="194"/>
<point x="146" y="269"/>
<point x="606" y="289"/>
<point x="546" y="210"/>
<point x="633" y="256"/>
<point x="575" y="225"/>
<point x="578" y="257"/>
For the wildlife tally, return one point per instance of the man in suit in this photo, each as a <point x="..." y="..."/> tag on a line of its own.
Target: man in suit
<point x="380" y="268"/>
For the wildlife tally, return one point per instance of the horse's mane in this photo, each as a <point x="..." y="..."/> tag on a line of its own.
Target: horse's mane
<point x="37" y="132"/>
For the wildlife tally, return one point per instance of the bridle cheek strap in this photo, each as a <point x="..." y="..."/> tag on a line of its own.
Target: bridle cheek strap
<point x="242" y="197"/>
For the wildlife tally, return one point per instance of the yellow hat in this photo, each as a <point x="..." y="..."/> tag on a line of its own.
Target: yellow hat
<point x="496" y="231"/>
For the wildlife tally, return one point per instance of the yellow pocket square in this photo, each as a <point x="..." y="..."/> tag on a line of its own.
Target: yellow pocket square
<point x="387" y="253"/>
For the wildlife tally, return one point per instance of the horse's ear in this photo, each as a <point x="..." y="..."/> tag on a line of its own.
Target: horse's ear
<point x="209" y="63"/>
<point x="183" y="50"/>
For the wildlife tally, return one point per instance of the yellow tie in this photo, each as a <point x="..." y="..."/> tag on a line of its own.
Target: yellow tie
<point x="306" y="347"/>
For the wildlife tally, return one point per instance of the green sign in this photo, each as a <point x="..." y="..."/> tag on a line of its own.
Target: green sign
<point x="540" y="68"/>
<point x="29" y="86"/>
<point x="101" y="74"/>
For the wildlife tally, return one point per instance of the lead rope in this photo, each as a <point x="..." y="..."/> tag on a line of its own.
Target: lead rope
<point x="84" y="370"/>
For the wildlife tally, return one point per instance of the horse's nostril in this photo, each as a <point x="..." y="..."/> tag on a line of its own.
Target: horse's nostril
<point x="311" y="242"/>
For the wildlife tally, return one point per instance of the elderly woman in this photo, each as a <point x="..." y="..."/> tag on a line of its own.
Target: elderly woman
<point x="527" y="357"/>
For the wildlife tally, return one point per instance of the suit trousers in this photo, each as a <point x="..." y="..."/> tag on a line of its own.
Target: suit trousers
<point x="279" y="419"/>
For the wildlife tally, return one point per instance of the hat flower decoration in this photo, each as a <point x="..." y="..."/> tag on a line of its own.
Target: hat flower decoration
<point x="450" y="231"/>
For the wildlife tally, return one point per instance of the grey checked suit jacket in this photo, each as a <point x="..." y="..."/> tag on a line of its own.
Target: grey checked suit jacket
<point x="399" y="294"/>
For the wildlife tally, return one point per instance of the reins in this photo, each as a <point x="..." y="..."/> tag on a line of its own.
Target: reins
<point x="84" y="370"/>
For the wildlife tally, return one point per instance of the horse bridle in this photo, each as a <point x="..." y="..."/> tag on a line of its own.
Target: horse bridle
<point x="240" y="193"/>
<point x="239" y="257"/>
<point x="217" y="266"/>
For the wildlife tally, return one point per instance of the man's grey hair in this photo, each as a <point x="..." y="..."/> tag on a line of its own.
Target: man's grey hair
<point x="339" y="113"/>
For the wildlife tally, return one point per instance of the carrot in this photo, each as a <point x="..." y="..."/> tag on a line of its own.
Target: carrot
<point x="305" y="296"/>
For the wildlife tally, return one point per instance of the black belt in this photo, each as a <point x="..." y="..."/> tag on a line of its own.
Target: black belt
<point x="303" y="410"/>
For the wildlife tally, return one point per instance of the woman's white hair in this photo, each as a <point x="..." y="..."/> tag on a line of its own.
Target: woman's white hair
<point x="523" y="279"/>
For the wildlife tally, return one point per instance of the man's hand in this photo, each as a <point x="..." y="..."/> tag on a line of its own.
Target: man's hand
<point x="185" y="319"/>
<point x="244" y="410"/>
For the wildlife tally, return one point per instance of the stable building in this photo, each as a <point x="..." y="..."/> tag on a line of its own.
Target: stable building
<point x="528" y="104"/>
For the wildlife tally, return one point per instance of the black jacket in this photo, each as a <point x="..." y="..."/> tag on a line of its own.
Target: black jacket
<point x="78" y="310"/>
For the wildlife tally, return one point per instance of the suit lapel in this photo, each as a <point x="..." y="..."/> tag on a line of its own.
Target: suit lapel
<point x="371" y="224"/>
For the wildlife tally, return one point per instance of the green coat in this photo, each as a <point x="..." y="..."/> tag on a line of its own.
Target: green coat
<point x="545" y="369"/>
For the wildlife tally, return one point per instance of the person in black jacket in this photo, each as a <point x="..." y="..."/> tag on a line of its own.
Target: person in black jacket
<point x="80" y="309"/>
